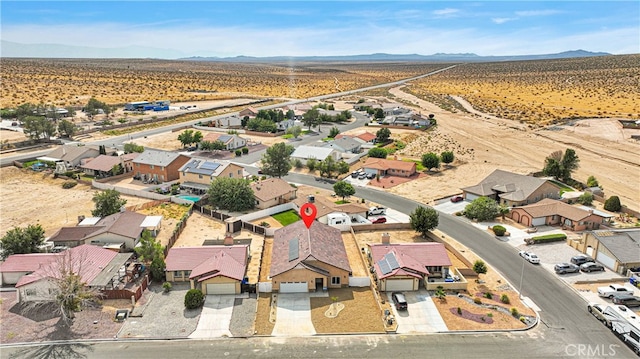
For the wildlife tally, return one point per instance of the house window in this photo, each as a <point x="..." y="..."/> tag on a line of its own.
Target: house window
<point x="434" y="269"/>
<point x="151" y="166"/>
<point x="177" y="274"/>
<point x="187" y="273"/>
<point x="239" y="172"/>
<point x="335" y="280"/>
<point x="230" y="175"/>
<point x="29" y="292"/>
<point x="162" y="168"/>
<point x="200" y="176"/>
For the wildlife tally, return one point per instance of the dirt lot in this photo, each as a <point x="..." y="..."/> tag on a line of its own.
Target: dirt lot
<point x="358" y="268"/>
<point x="361" y="314"/>
<point x="262" y="324"/>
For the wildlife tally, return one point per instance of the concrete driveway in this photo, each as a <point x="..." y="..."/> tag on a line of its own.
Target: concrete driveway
<point x="293" y="315"/>
<point x="422" y="315"/>
<point x="448" y="207"/>
<point x="215" y="317"/>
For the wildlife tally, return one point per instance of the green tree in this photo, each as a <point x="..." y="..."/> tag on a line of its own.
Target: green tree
<point x="216" y="145"/>
<point x="197" y="137"/>
<point x="25" y="110"/>
<point x="383" y="135"/>
<point x="346" y="114"/>
<point x="586" y="198"/>
<point x="333" y="132"/>
<point x="295" y="131"/>
<point x="186" y="138"/>
<point x="107" y="203"/>
<point x="327" y="167"/>
<point x="504" y="210"/>
<point x="479" y="267"/>
<point x="38" y="127"/>
<point x="232" y="194"/>
<point x="132" y="147"/>
<point x="342" y="167"/>
<point x="441" y="294"/>
<point x="447" y="157"/>
<point x="194" y="299"/>
<point x="276" y="160"/>
<point x="117" y="169"/>
<point x="561" y="166"/>
<point x="377" y="152"/>
<point x="20" y="240"/>
<point x="158" y="267"/>
<point x="66" y="128"/>
<point x="290" y="114"/>
<point x="430" y="160"/>
<point x="148" y="247"/>
<point x="311" y="118"/>
<point x="311" y="164"/>
<point x="592" y="182"/>
<point x="612" y="204"/>
<point x="482" y="209"/>
<point x="570" y="162"/>
<point x="423" y="220"/>
<point x="344" y="189"/>
<point x="261" y="125"/>
<point x="378" y="113"/>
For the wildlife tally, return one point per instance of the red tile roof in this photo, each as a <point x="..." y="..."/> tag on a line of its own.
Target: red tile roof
<point x="320" y="242"/>
<point x="228" y="261"/>
<point x="26" y="262"/>
<point x="412" y="257"/>
<point x="367" y="136"/>
<point x="86" y="260"/>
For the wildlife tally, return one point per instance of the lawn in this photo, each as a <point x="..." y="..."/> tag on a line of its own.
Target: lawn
<point x="286" y="218"/>
<point x="563" y="187"/>
<point x="419" y="166"/>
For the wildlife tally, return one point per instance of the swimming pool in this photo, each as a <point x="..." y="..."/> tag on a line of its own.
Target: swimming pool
<point x="190" y="198"/>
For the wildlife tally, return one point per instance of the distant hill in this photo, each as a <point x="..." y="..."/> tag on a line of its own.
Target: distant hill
<point x="438" y="57"/>
<point x="15" y="49"/>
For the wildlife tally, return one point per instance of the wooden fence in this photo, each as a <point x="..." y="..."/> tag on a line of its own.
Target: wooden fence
<point x="136" y="291"/>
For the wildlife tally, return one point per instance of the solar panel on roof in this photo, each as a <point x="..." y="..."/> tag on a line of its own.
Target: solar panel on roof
<point x="384" y="266"/>
<point x="293" y="249"/>
<point x="210" y="166"/>
<point x="391" y="259"/>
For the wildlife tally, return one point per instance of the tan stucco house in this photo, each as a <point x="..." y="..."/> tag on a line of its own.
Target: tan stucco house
<point x="618" y="250"/>
<point x="272" y="191"/>
<point x="553" y="212"/>
<point x="512" y="189"/>
<point x="197" y="174"/>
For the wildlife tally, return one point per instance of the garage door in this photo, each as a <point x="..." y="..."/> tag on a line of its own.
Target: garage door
<point x="538" y="221"/>
<point x="606" y="260"/>
<point x="221" y="288"/>
<point x="470" y="197"/>
<point x="294" y="287"/>
<point x="399" y="284"/>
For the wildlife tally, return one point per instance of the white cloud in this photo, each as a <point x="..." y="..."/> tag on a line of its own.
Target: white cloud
<point x="445" y="12"/>
<point x="502" y="20"/>
<point x="538" y="12"/>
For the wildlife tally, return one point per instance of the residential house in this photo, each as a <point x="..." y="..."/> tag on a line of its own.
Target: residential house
<point x="305" y="152"/>
<point x="99" y="268"/>
<point x="231" y="141"/>
<point x="303" y="107"/>
<point x="158" y="166"/>
<point x="72" y="155"/>
<point x="325" y="207"/>
<point x="102" y="166"/>
<point x="212" y="269"/>
<point x="408" y="266"/>
<point x="312" y="259"/>
<point x="394" y="110"/>
<point x="551" y="212"/>
<point x="231" y="122"/>
<point x="618" y="250"/>
<point x="512" y="189"/>
<point x="197" y="174"/>
<point x="248" y="112"/>
<point x="18" y="265"/>
<point x="366" y="137"/>
<point x="345" y="145"/>
<point x="332" y="113"/>
<point x="285" y="124"/>
<point x="120" y="231"/>
<point x="363" y="106"/>
<point x="384" y="167"/>
<point x="272" y="191"/>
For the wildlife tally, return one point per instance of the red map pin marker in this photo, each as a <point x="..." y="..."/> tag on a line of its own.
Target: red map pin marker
<point x="308" y="212"/>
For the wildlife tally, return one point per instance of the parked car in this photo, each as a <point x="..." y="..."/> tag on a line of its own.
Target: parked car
<point x="354" y="174"/>
<point x="591" y="267"/>
<point x="371" y="175"/>
<point x="563" y="268"/>
<point x="625" y="299"/>
<point x="399" y="301"/>
<point x="379" y="220"/>
<point x="614" y="289"/>
<point x="362" y="175"/>
<point x="374" y="211"/>
<point x="597" y="310"/>
<point x="530" y="257"/>
<point x="581" y="259"/>
<point x="455" y="199"/>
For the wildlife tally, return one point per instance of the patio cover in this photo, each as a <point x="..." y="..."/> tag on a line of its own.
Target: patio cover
<point x="111" y="271"/>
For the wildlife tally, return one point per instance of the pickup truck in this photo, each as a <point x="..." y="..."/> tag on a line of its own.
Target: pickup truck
<point x="613" y="289"/>
<point x="376" y="211"/>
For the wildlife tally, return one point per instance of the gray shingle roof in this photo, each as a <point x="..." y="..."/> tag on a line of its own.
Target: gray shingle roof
<point x="513" y="186"/>
<point x="624" y="244"/>
<point x="156" y="158"/>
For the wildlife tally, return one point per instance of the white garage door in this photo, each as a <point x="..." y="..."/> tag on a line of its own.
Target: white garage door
<point x="538" y="221"/>
<point x="606" y="260"/>
<point x="399" y="284"/>
<point x="471" y="197"/>
<point x="294" y="287"/>
<point x="221" y="288"/>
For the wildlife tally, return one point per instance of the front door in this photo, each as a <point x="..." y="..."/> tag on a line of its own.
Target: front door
<point x="319" y="284"/>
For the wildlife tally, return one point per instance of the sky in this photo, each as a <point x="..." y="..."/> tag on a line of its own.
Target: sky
<point x="172" y="29"/>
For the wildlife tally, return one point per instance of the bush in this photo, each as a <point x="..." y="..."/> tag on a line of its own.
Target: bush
<point x="515" y="312"/>
<point x="459" y="311"/>
<point x="167" y="287"/>
<point x="488" y="295"/>
<point x="612" y="204"/>
<point x="69" y="184"/>
<point x="245" y="150"/>
<point x="499" y="230"/>
<point x="477" y="300"/>
<point x="548" y="238"/>
<point x="297" y="163"/>
<point x="505" y="299"/>
<point x="69" y="174"/>
<point x="238" y="153"/>
<point x="193" y="299"/>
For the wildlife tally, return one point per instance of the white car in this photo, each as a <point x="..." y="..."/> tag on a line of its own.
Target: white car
<point x="376" y="211"/>
<point x="530" y="257"/>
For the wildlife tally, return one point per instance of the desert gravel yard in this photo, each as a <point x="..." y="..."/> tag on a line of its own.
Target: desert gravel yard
<point x="262" y="324"/>
<point x="243" y="317"/>
<point x="358" y="268"/>
<point x="361" y="314"/>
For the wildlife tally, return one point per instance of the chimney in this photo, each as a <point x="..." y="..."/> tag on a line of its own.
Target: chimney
<point x="386" y="238"/>
<point x="228" y="240"/>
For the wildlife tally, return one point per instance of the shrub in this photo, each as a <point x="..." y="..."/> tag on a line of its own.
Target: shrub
<point x="297" y="163"/>
<point x="488" y="295"/>
<point x="514" y="312"/>
<point x="69" y="174"/>
<point x="499" y="230"/>
<point x="477" y="300"/>
<point x="549" y="238"/>
<point x="523" y="319"/>
<point x="194" y="299"/>
<point x="459" y="311"/>
<point x="490" y="315"/>
<point x="480" y="267"/>
<point x="505" y="299"/>
<point x="245" y="150"/>
<point x="167" y="287"/>
<point x="69" y="184"/>
<point x="238" y="153"/>
<point x="612" y="204"/>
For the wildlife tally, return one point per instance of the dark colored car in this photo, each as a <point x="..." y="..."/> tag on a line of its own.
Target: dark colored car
<point x="625" y="299"/>
<point x="581" y="259"/>
<point x="455" y="199"/>
<point x="371" y="175"/>
<point x="562" y="268"/>
<point x="591" y="267"/>
<point x="380" y="220"/>
<point x="399" y="300"/>
<point x="354" y="174"/>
